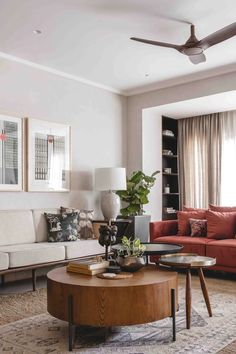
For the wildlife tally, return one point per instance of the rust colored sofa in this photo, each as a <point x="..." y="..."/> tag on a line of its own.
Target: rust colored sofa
<point x="224" y="250"/>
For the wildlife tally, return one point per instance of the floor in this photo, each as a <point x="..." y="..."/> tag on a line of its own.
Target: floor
<point x="22" y="286"/>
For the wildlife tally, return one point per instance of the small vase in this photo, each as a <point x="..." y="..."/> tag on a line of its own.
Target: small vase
<point x="130" y="263"/>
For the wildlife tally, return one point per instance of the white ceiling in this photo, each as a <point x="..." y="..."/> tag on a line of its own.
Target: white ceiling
<point x="89" y="39"/>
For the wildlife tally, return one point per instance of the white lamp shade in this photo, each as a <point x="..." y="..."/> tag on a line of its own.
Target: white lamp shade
<point x="110" y="178"/>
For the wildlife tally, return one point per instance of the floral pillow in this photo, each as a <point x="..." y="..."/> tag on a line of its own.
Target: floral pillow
<point x="198" y="227"/>
<point x="85" y="222"/>
<point x="62" y="227"/>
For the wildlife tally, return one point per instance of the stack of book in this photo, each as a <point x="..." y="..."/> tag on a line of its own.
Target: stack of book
<point x="169" y="210"/>
<point x="89" y="267"/>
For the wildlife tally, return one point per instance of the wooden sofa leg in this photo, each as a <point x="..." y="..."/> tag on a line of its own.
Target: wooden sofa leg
<point x="2" y="280"/>
<point x="34" y="279"/>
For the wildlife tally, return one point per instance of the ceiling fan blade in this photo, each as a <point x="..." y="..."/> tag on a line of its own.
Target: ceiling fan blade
<point x="197" y="59"/>
<point x="161" y="44"/>
<point x="218" y="36"/>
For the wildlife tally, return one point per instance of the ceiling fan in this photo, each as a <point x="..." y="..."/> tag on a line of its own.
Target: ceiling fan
<point x="194" y="48"/>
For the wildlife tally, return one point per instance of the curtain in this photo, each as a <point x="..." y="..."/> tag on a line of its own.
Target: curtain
<point x="228" y="165"/>
<point x="199" y="150"/>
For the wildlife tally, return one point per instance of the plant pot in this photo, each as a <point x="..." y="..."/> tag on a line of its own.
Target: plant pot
<point x="130" y="263"/>
<point x="138" y="228"/>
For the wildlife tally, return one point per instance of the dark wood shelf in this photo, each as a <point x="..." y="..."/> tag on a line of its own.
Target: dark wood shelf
<point x="169" y="136"/>
<point x="169" y="143"/>
<point x="171" y="156"/>
<point x="170" y="174"/>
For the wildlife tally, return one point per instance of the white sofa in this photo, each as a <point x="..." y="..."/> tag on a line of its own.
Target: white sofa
<point x="23" y="243"/>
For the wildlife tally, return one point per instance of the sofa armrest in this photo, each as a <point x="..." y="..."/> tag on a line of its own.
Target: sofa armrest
<point x="163" y="228"/>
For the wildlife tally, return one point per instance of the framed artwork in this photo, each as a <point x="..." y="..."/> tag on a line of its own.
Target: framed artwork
<point x="11" y="154"/>
<point x="48" y="156"/>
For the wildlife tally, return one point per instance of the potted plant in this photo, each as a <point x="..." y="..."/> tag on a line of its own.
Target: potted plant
<point x="138" y="188"/>
<point x="130" y="254"/>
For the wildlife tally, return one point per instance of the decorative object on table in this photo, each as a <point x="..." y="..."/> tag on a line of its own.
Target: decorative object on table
<point x="107" y="237"/>
<point x="167" y="170"/>
<point x="167" y="132"/>
<point x="130" y="254"/>
<point x="10" y="153"/>
<point x="114" y="269"/>
<point x="62" y="227"/>
<point x="167" y="152"/>
<point x="108" y="180"/>
<point x="114" y="276"/>
<point x="136" y="195"/>
<point x="48" y="156"/>
<point x="85" y="222"/>
<point x="167" y="189"/>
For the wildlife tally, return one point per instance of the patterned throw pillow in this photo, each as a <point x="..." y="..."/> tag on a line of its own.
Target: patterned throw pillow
<point x="62" y="227"/>
<point x="198" y="227"/>
<point x="85" y="222"/>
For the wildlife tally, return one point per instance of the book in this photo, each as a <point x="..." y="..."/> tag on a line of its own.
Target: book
<point x="85" y="271"/>
<point x="89" y="264"/>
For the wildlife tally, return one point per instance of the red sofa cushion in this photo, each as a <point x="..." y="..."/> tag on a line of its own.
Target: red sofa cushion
<point x="221" y="225"/>
<point x="191" y="244"/>
<point x="192" y="209"/>
<point x="163" y="228"/>
<point x="183" y="220"/>
<point x="221" y="208"/>
<point x="224" y="251"/>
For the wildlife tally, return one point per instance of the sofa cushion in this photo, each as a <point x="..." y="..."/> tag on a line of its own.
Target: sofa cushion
<point x="185" y="208"/>
<point x="183" y="220"/>
<point x="191" y="244"/>
<point x="16" y="227"/>
<point x="221" y="225"/>
<point x="85" y="222"/>
<point x="198" y="227"/>
<point x="40" y="223"/>
<point x="4" y="261"/>
<point x="224" y="251"/>
<point x="62" y="227"/>
<point x="221" y="208"/>
<point x="82" y="248"/>
<point x="35" y="253"/>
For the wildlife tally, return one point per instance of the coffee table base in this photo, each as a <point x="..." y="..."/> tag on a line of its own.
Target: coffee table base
<point x="72" y="326"/>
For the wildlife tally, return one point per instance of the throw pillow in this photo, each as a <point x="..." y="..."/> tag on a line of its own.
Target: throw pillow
<point x="62" y="227"/>
<point x="183" y="220"/>
<point x="221" y="208"/>
<point x="198" y="227"/>
<point x="85" y="225"/>
<point x="221" y="225"/>
<point x="85" y="222"/>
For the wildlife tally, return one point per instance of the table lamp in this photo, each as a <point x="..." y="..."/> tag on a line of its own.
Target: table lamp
<point x="108" y="180"/>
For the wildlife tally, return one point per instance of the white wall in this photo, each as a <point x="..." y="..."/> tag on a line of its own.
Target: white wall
<point x="138" y="129"/>
<point x="152" y="159"/>
<point x="97" y="118"/>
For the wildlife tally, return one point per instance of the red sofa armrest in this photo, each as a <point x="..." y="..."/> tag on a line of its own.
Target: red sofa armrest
<point x="163" y="228"/>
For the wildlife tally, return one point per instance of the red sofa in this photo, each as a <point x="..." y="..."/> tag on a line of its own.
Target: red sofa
<point x="224" y="250"/>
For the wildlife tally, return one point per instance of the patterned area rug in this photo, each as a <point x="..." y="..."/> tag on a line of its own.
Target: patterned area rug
<point x="44" y="334"/>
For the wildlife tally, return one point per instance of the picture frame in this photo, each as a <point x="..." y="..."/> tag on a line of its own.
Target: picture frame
<point x="48" y="156"/>
<point x="11" y="153"/>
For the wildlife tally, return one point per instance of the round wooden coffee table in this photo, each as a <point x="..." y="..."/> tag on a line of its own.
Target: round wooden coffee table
<point x="190" y="261"/>
<point x="79" y="299"/>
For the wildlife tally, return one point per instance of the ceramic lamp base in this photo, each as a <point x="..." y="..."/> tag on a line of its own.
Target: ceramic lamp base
<point x="110" y="205"/>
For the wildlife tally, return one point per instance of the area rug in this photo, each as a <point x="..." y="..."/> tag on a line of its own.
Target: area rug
<point x="44" y="334"/>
